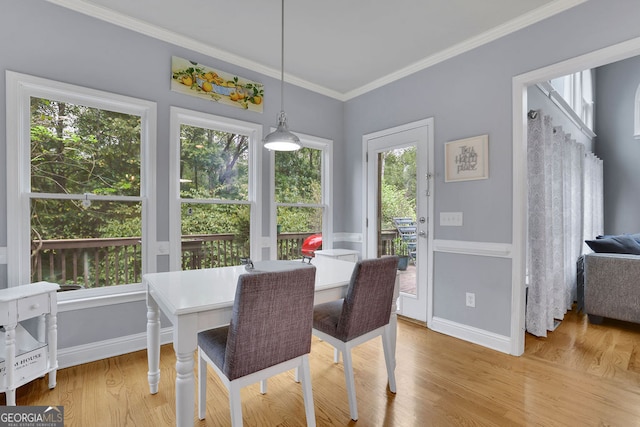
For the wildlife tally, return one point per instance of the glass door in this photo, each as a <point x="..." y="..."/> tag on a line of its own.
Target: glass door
<point x="398" y="210"/>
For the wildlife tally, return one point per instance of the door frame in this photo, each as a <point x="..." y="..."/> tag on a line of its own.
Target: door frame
<point x="428" y="124"/>
<point x="520" y="83"/>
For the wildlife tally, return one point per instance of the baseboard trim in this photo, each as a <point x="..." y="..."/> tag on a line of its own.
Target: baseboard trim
<point x="78" y="355"/>
<point x="411" y="320"/>
<point x="474" y="335"/>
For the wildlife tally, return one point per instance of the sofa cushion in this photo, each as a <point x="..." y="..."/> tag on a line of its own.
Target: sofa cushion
<point x="636" y="236"/>
<point x="622" y="244"/>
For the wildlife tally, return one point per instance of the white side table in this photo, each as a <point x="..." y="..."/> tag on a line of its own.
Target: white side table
<point x="25" y="357"/>
<point x="343" y="254"/>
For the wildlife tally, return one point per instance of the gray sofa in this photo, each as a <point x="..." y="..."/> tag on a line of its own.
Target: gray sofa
<point x="612" y="287"/>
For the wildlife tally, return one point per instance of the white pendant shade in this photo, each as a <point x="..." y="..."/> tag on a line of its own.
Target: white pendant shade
<point x="281" y="139"/>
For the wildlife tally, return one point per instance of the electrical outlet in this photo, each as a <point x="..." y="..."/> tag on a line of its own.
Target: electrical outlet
<point x="471" y="299"/>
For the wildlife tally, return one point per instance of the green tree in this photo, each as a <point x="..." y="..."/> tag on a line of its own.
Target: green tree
<point x="398" y="187"/>
<point x="76" y="150"/>
<point x="298" y="177"/>
<point x="214" y="164"/>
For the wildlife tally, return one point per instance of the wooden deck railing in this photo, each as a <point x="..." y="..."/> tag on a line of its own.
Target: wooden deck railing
<point x="87" y="262"/>
<point x="115" y="261"/>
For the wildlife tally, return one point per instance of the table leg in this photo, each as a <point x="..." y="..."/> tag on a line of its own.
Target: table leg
<point x="153" y="344"/>
<point x="52" y="341"/>
<point x="185" y="383"/>
<point x="185" y="343"/>
<point x="10" y="357"/>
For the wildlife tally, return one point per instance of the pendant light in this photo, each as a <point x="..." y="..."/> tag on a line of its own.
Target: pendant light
<point x="281" y="139"/>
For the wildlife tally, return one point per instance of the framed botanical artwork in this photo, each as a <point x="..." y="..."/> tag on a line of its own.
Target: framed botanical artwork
<point x="466" y="159"/>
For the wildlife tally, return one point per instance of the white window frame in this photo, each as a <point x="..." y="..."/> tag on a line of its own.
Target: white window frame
<point x="20" y="89"/>
<point x="636" y="115"/>
<point x="566" y="92"/>
<point x="577" y="94"/>
<point x="181" y="116"/>
<point x="326" y="146"/>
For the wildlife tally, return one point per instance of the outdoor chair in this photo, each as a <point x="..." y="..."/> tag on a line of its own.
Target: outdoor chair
<point x="361" y="316"/>
<point x="269" y="333"/>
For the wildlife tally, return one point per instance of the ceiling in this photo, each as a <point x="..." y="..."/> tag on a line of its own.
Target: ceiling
<point x="341" y="48"/>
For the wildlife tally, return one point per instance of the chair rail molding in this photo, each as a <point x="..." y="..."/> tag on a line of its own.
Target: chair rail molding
<point x="500" y="250"/>
<point x="347" y="237"/>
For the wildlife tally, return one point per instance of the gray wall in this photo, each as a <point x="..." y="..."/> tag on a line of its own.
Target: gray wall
<point x="616" y="86"/>
<point x="46" y="40"/>
<point x="467" y="95"/>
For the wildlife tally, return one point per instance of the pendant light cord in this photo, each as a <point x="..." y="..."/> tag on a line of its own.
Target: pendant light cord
<point x="281" y="139"/>
<point x="282" y="61"/>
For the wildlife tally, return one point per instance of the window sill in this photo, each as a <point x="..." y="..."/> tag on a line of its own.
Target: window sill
<point x="90" y="298"/>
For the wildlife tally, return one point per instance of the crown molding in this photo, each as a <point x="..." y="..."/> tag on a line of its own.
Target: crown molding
<point x="495" y="33"/>
<point x="163" y="34"/>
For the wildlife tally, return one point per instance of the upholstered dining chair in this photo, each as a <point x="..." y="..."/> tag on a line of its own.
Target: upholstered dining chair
<point x="269" y="333"/>
<point x="361" y="316"/>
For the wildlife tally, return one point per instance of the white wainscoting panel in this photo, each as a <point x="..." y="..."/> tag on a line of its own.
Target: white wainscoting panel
<point x="86" y="353"/>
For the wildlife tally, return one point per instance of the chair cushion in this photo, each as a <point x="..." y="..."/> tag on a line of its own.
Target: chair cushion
<point x="326" y="316"/>
<point x="214" y="342"/>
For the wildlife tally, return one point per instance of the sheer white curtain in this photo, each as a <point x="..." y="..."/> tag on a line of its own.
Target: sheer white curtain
<point x="593" y="181"/>
<point x="565" y="208"/>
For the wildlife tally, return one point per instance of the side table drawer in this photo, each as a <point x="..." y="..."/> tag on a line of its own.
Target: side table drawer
<point x="33" y="306"/>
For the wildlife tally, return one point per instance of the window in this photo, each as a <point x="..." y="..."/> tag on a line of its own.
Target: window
<point x="80" y="202"/>
<point x="577" y="91"/>
<point x="214" y="176"/>
<point x="302" y="201"/>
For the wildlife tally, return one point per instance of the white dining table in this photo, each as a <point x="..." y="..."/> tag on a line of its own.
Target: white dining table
<point x="197" y="300"/>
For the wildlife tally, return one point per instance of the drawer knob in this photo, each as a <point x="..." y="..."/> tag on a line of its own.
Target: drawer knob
<point x="35" y="306"/>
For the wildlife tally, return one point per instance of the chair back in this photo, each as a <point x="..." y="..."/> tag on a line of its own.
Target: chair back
<point x="271" y="321"/>
<point x="367" y="305"/>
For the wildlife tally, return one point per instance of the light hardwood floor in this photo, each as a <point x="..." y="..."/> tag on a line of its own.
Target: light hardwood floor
<point x="581" y="375"/>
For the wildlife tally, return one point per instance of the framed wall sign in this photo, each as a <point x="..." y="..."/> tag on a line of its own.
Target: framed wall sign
<point x="466" y="159"/>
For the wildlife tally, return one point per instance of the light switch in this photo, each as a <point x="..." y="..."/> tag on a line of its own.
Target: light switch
<point x="451" y="219"/>
<point x="163" y="248"/>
